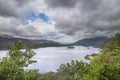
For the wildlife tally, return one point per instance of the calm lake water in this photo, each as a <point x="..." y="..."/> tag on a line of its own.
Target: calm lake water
<point x="50" y="58"/>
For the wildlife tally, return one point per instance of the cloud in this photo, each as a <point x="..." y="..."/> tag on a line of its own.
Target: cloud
<point x="14" y="8"/>
<point x="31" y="29"/>
<point x="14" y="20"/>
<point x="61" y="3"/>
<point x="66" y="18"/>
<point x="87" y="17"/>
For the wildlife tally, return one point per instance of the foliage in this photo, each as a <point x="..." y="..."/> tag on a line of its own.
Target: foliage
<point x="104" y="66"/>
<point x="74" y="70"/>
<point x="70" y="71"/>
<point x="49" y="76"/>
<point x="111" y="43"/>
<point x="31" y="75"/>
<point x="12" y="66"/>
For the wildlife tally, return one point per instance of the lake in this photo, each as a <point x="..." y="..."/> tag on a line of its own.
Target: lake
<point x="50" y="58"/>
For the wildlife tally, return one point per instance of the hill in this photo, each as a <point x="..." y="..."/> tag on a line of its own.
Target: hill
<point x="95" y="42"/>
<point x="6" y="41"/>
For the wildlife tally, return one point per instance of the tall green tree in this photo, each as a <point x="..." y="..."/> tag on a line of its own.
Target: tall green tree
<point x="12" y="66"/>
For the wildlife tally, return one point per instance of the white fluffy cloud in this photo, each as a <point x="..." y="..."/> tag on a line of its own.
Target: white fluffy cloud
<point x="30" y="29"/>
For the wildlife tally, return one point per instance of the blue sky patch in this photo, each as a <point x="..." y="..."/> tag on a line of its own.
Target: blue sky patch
<point x="31" y="16"/>
<point x="42" y="16"/>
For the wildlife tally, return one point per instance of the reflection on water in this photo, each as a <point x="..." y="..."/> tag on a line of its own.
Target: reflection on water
<point x="50" y="58"/>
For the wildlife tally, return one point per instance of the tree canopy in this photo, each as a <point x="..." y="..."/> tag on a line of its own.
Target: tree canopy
<point x="12" y="66"/>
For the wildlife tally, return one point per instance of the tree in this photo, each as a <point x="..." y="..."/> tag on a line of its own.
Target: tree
<point x="111" y="43"/>
<point x="12" y="66"/>
<point x="106" y="66"/>
<point x="32" y="75"/>
<point x="73" y="71"/>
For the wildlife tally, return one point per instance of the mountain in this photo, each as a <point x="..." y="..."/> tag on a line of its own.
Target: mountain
<point x="95" y="42"/>
<point x="6" y="40"/>
<point x="5" y="36"/>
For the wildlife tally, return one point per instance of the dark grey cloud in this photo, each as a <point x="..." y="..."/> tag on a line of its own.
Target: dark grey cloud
<point x="75" y="18"/>
<point x="94" y="17"/>
<point x="7" y="8"/>
<point x="89" y="5"/>
<point x="61" y="3"/>
<point x="22" y="2"/>
<point x="84" y="4"/>
<point x="12" y="8"/>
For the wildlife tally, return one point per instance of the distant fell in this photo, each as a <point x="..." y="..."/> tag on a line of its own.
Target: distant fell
<point x="95" y="42"/>
<point x="6" y="40"/>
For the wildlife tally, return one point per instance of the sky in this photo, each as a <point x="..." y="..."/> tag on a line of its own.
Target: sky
<point x="60" y="20"/>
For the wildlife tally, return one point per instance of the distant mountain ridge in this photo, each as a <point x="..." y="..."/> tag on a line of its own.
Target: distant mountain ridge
<point x="6" y="40"/>
<point x="95" y="42"/>
<point x="6" y="36"/>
